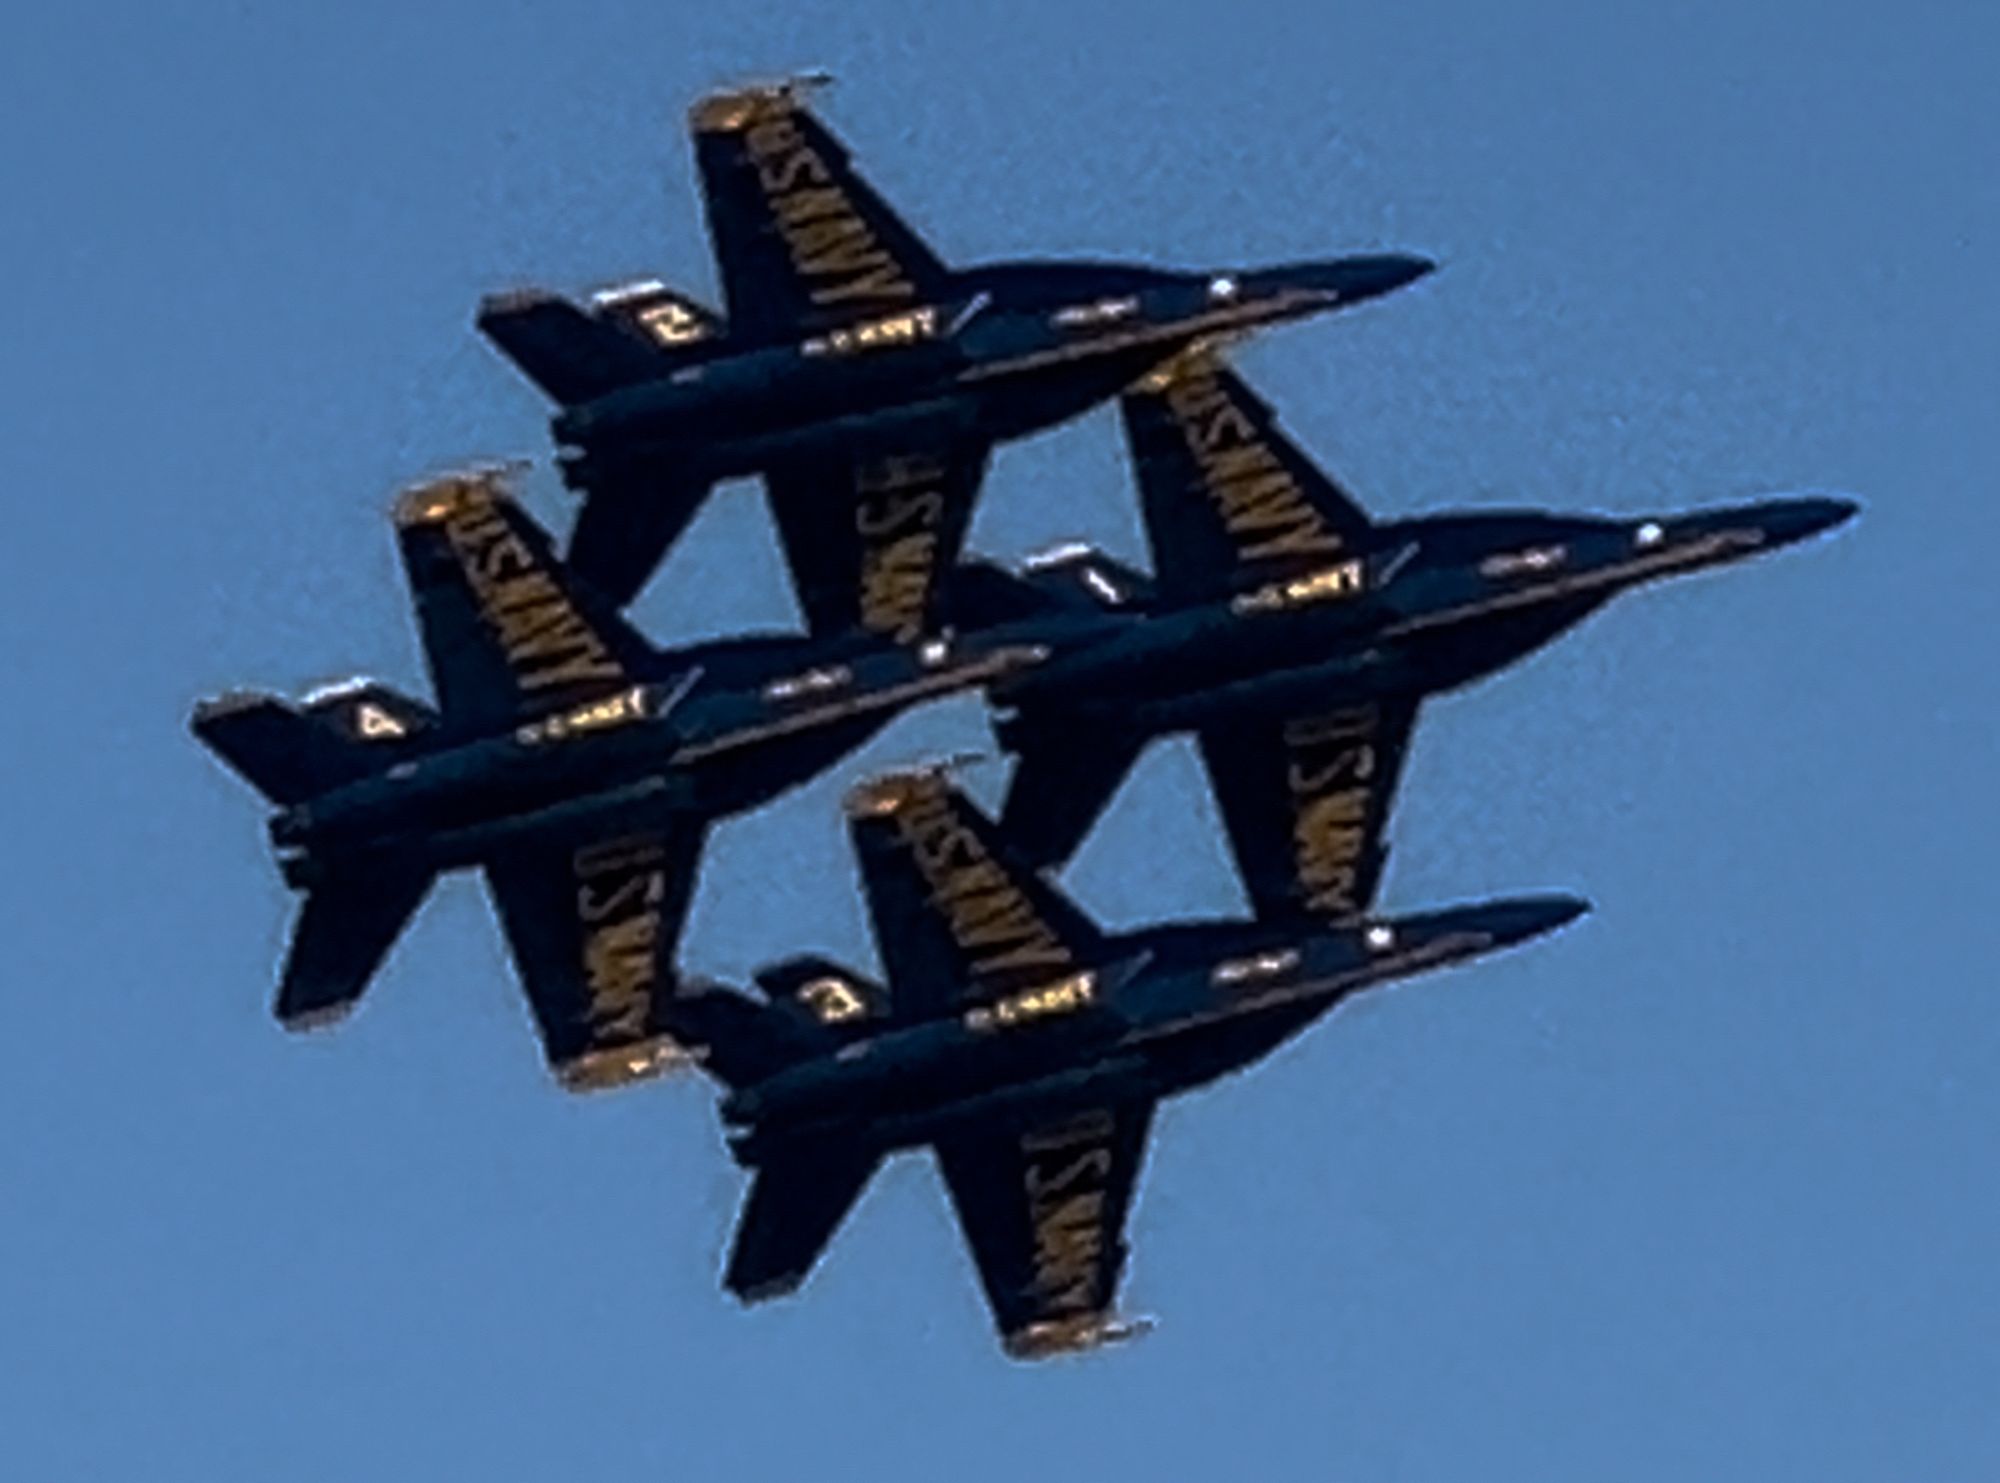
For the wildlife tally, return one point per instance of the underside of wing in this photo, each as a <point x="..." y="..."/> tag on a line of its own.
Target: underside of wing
<point x="592" y="924"/>
<point x="958" y="916"/>
<point x="507" y="631"/>
<point x="1306" y="803"/>
<point x="802" y="242"/>
<point x="868" y="543"/>
<point x="1043" y="1208"/>
<point x="1227" y="496"/>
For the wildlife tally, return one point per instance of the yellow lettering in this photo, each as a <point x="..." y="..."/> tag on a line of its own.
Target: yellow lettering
<point x="1248" y="483"/>
<point x="798" y="207"/>
<point x="637" y="891"/>
<point x="883" y="282"/>
<point x="627" y="852"/>
<point x="618" y="964"/>
<point x="1095" y="1164"/>
<point x="1068" y="1203"/>
<point x="988" y="915"/>
<point x="1094" y="1126"/>
<point x="1356" y="763"/>
<point x="822" y="232"/>
<point x="544" y="639"/>
<point x="619" y="891"/>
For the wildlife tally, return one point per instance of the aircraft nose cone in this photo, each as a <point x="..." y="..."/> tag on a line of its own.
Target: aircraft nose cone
<point x="1379" y="273"/>
<point x="1524" y="917"/>
<point x="1343" y="280"/>
<point x="1785" y="521"/>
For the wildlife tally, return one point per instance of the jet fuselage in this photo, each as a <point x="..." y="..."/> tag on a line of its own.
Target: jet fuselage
<point x="1010" y="349"/>
<point x="1159" y="1013"/>
<point x="720" y="731"/>
<point x="1435" y="604"/>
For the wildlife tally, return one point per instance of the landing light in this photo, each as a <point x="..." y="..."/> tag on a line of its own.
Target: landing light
<point x="1649" y="534"/>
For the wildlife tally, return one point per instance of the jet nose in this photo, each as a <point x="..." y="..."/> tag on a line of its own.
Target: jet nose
<point x="1523" y="917"/>
<point x="1380" y="273"/>
<point x="1344" y="280"/>
<point x="1785" y="521"/>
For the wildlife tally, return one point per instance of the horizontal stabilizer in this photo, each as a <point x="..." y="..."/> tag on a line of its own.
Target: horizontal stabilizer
<point x="344" y="931"/>
<point x="740" y="1040"/>
<point x="369" y="711"/>
<point x="824" y="992"/>
<point x="796" y="1203"/>
<point x="661" y="317"/>
<point x="983" y="594"/>
<point x="1087" y="577"/>
<point x="287" y="754"/>
<point x="572" y="356"/>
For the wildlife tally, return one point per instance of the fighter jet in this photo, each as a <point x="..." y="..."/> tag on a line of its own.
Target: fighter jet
<point x="865" y="379"/>
<point x="1023" y="1044"/>
<point x="1295" y="636"/>
<point x="576" y="764"/>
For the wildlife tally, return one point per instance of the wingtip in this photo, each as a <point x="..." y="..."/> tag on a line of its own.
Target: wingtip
<point x="435" y="500"/>
<point x="215" y="707"/>
<point x="622" y="1065"/>
<point x="730" y="110"/>
<point x="503" y="302"/>
<point x="892" y="791"/>
<point x="316" y="1021"/>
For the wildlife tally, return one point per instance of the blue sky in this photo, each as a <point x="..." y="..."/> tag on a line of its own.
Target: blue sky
<point x="1701" y="1188"/>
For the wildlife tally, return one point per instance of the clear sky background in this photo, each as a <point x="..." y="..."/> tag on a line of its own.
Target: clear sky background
<point x="1701" y="1189"/>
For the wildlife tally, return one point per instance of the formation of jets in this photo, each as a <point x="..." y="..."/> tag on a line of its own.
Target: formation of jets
<point x="579" y="765"/>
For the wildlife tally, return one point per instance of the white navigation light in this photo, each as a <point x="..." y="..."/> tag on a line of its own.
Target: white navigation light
<point x="1380" y="937"/>
<point x="1650" y="534"/>
<point x="1222" y="286"/>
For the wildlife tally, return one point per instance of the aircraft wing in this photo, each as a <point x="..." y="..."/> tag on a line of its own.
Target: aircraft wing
<point x="869" y="542"/>
<point x="1306" y="802"/>
<point x="506" y="631"/>
<point x="593" y="924"/>
<point x="802" y="242"/>
<point x="1221" y="486"/>
<point x="958" y="916"/>
<point x="1043" y="1209"/>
